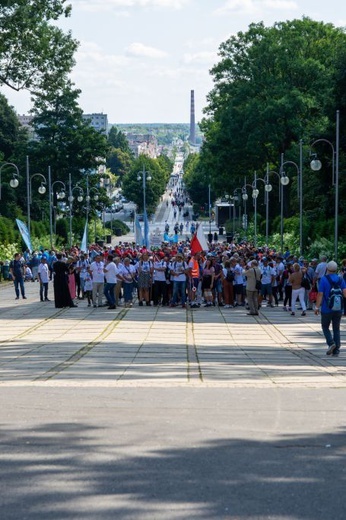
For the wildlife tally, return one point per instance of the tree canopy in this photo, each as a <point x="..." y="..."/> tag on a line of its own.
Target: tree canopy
<point x="34" y="53"/>
<point x="272" y="87"/>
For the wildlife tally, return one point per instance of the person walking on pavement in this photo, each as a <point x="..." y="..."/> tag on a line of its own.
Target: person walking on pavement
<point x="253" y="274"/>
<point x="295" y="279"/>
<point x="329" y="316"/>
<point x="98" y="277"/>
<point x="17" y="272"/>
<point x="43" y="277"/>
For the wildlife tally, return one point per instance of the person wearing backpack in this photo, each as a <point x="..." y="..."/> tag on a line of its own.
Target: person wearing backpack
<point x="331" y="291"/>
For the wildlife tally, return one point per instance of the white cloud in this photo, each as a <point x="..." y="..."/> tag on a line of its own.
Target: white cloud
<point x="252" y="7"/>
<point x="140" y="50"/>
<point x="200" y="58"/>
<point x="110" y="5"/>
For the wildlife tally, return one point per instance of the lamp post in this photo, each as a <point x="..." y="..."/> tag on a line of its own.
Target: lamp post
<point x="316" y="165"/>
<point x="245" y="198"/>
<point x="14" y="182"/>
<point x="70" y="198"/>
<point x="88" y="199"/>
<point x="284" y="181"/>
<point x="59" y="195"/>
<point x="41" y="189"/>
<point x="267" y="188"/>
<point x="300" y="189"/>
<point x="145" y="176"/>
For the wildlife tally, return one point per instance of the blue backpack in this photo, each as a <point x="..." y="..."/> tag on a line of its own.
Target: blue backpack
<point x="335" y="299"/>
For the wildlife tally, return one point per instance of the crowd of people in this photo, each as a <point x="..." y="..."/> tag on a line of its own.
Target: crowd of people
<point x="227" y="275"/>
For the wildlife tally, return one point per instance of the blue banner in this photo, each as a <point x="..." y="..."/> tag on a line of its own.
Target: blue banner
<point x="146" y="231"/>
<point x="24" y="233"/>
<point x="139" y="235"/>
<point x="84" y="244"/>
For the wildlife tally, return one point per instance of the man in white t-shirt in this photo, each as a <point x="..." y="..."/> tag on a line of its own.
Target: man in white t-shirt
<point x="43" y="277"/>
<point x="111" y="271"/>
<point x="267" y="279"/>
<point x="98" y="276"/>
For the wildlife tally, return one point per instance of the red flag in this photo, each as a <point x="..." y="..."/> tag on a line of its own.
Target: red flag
<point x="198" y="241"/>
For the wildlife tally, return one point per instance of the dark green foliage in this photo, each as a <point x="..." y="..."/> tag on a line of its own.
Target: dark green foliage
<point x="159" y="172"/>
<point x="34" y="53"/>
<point x="118" y="224"/>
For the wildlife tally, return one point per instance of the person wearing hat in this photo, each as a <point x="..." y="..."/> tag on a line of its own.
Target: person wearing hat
<point x="329" y="316"/>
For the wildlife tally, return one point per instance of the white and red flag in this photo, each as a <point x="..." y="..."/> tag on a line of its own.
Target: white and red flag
<point x="198" y="241"/>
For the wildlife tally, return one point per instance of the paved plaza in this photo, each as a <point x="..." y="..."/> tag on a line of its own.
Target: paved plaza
<point x="159" y="413"/>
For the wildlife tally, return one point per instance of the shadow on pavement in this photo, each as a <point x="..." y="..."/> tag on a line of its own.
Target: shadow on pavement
<point x="67" y="470"/>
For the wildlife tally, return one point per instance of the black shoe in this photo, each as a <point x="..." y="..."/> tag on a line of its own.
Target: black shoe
<point x="331" y="349"/>
<point x="24" y="298"/>
<point x="112" y="307"/>
<point x="74" y="305"/>
<point x="148" y="304"/>
<point x="140" y="304"/>
<point x="42" y="299"/>
<point x="17" y="298"/>
<point x="303" y="313"/>
<point x="47" y="300"/>
<point x="336" y="352"/>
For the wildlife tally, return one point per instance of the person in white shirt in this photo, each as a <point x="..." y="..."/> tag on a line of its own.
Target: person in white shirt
<point x="238" y="281"/>
<point x="111" y="272"/>
<point x="98" y="277"/>
<point x="43" y="277"/>
<point x="159" y="278"/>
<point x="267" y="279"/>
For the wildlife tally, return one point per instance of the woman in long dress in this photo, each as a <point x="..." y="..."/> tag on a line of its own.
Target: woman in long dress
<point x="62" y="296"/>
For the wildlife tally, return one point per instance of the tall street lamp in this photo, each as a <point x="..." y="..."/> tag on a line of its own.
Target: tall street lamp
<point x="88" y="199"/>
<point x="14" y="182"/>
<point x="59" y="195"/>
<point x="317" y="165"/>
<point x="70" y="199"/>
<point x="284" y="181"/>
<point x="41" y="189"/>
<point x="145" y="176"/>
<point x="300" y="190"/>
<point x="255" y="192"/>
<point x="245" y="198"/>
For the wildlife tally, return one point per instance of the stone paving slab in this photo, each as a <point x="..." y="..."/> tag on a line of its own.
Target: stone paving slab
<point x="41" y="344"/>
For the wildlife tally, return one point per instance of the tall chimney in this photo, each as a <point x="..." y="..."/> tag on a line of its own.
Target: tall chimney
<point x="192" y="137"/>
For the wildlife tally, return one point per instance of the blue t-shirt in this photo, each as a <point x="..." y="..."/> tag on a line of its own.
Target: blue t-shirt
<point x="324" y="286"/>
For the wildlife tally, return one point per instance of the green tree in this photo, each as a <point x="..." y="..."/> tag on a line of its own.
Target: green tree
<point x="272" y="88"/>
<point x="119" y="162"/>
<point x="66" y="141"/>
<point x="34" y="52"/>
<point x="117" y="139"/>
<point x="133" y="186"/>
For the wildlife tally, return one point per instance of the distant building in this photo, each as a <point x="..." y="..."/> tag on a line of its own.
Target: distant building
<point x="98" y="121"/>
<point x="26" y="122"/>
<point x="143" y="144"/>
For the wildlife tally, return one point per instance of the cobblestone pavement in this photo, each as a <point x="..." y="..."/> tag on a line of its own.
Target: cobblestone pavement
<point x="148" y="346"/>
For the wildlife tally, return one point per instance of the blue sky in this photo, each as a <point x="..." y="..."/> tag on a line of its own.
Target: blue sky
<point x="139" y="59"/>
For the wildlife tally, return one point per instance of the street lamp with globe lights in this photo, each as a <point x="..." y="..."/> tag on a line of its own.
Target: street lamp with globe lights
<point x="14" y="182"/>
<point x="41" y="190"/>
<point x="316" y="165"/>
<point x="284" y="181"/>
<point x="70" y="199"/>
<point x="255" y="192"/>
